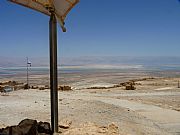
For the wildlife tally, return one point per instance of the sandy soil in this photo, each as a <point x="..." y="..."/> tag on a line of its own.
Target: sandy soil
<point x="153" y="108"/>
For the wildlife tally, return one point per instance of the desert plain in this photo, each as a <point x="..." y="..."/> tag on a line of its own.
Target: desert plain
<point x="98" y="105"/>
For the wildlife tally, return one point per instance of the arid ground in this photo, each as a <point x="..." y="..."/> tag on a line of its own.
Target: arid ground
<point x="153" y="108"/>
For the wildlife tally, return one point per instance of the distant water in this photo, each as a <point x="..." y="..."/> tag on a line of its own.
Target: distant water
<point x="44" y="70"/>
<point x="14" y="71"/>
<point x="164" y="68"/>
<point x="18" y="71"/>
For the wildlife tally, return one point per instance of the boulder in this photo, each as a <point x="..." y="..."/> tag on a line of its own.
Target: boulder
<point x="26" y="86"/>
<point x="34" y="87"/>
<point x="5" y="82"/>
<point x="65" y="124"/>
<point x="25" y="127"/>
<point x="64" y="88"/>
<point x="44" y="127"/>
<point x="28" y="127"/>
<point x="41" y="88"/>
<point x="130" y="87"/>
<point x="13" y="83"/>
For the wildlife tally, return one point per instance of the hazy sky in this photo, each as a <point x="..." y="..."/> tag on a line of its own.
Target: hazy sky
<point x="95" y="28"/>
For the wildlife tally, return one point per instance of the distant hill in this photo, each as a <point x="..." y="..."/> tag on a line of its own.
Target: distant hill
<point x="83" y="61"/>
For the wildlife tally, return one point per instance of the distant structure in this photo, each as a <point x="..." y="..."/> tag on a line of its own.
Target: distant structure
<point x="8" y="89"/>
<point x="28" y="65"/>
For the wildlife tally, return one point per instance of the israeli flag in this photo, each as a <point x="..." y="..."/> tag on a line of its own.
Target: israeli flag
<point x="29" y="63"/>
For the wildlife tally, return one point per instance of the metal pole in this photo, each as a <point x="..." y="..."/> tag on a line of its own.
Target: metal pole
<point x="27" y="74"/>
<point x="53" y="72"/>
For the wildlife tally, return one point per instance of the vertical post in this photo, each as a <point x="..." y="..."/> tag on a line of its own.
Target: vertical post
<point x="53" y="72"/>
<point x="27" y="73"/>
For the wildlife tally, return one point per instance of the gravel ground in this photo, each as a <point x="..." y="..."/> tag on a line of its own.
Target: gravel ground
<point x="150" y="109"/>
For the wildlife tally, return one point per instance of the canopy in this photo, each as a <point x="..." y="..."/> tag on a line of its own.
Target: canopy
<point x="61" y="7"/>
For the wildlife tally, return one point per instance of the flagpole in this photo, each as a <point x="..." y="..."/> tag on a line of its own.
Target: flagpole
<point x="27" y="74"/>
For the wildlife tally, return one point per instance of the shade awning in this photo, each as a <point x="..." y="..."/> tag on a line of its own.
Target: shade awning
<point x="61" y="7"/>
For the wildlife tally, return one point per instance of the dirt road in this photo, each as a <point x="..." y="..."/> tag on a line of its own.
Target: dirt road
<point x="132" y="116"/>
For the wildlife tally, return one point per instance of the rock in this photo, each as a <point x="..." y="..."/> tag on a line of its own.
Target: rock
<point x="11" y="83"/>
<point x="44" y="127"/>
<point x="98" y="87"/>
<point x="25" y="127"/>
<point x="138" y="84"/>
<point x="177" y="109"/>
<point x="34" y="87"/>
<point x="130" y="87"/>
<point x="113" y="129"/>
<point x="42" y="88"/>
<point x="5" y="82"/>
<point x="64" y="88"/>
<point x="26" y="86"/>
<point x="28" y="127"/>
<point x="65" y="124"/>
<point x="15" y="85"/>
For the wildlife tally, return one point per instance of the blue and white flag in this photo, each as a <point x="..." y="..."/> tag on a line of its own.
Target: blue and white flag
<point x="29" y="63"/>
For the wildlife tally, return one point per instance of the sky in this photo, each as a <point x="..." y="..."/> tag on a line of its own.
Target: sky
<point x="95" y="28"/>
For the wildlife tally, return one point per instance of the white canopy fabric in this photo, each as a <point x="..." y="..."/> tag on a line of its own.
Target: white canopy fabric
<point x="61" y="7"/>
